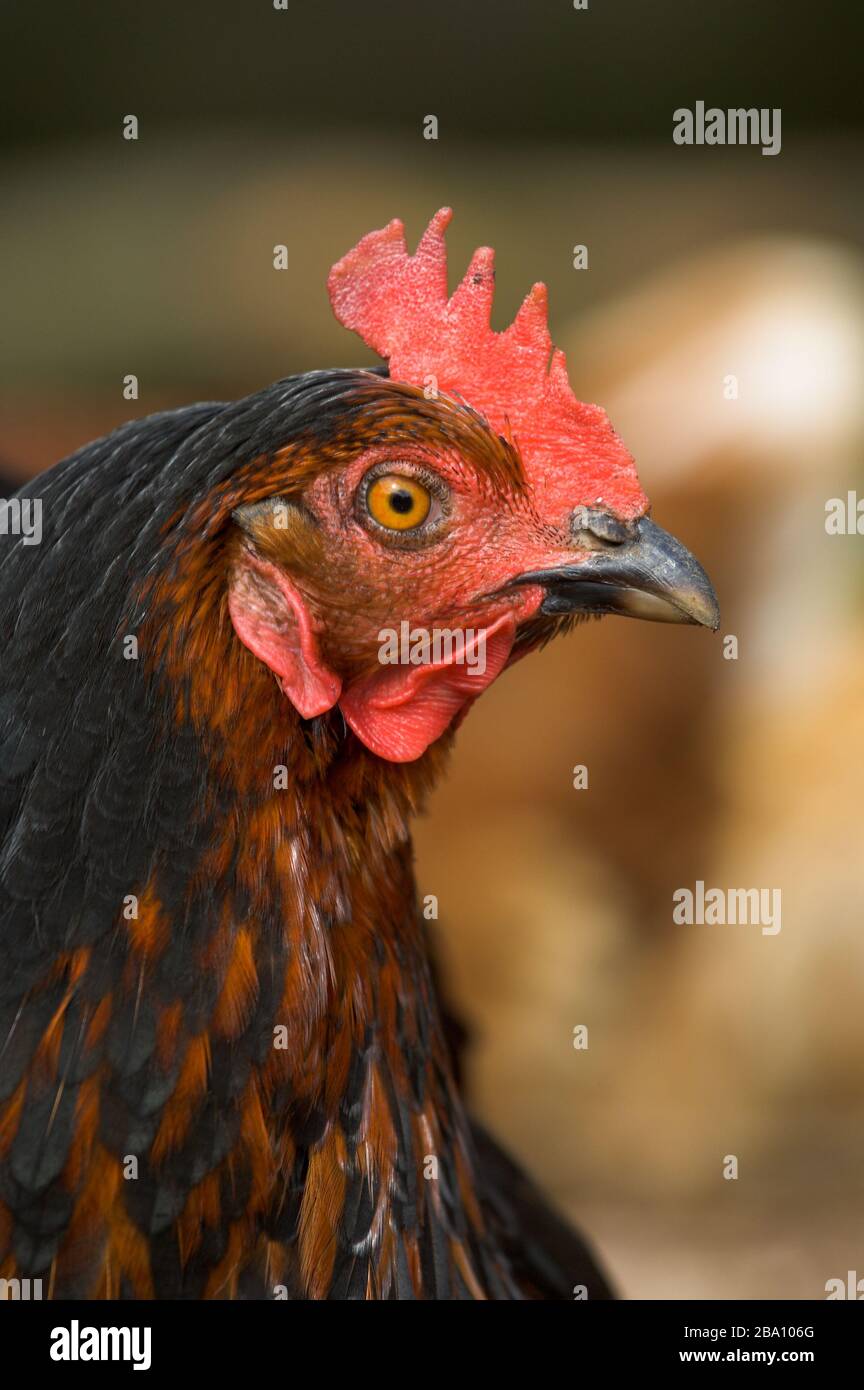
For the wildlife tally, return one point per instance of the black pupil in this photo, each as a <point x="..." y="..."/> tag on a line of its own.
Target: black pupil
<point x="401" y="501"/>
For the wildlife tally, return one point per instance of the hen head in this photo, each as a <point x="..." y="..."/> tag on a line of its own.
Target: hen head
<point x="469" y="507"/>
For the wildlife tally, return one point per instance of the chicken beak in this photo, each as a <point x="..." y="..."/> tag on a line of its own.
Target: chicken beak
<point x="650" y="575"/>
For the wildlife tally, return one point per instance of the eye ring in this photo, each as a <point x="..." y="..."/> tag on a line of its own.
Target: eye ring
<point x="402" y="502"/>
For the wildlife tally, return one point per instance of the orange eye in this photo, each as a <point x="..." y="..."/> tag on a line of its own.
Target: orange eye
<point x="397" y="502"/>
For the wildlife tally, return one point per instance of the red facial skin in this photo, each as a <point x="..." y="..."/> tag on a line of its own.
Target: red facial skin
<point x="321" y="635"/>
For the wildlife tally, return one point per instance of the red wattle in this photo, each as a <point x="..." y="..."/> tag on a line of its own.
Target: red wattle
<point x="400" y="711"/>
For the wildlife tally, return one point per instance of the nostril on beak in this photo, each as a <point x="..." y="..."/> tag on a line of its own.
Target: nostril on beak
<point x="592" y="529"/>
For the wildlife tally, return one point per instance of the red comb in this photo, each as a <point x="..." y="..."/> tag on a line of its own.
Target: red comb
<point x="400" y="307"/>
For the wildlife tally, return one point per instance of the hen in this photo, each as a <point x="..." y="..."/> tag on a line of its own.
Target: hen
<point x="224" y="1071"/>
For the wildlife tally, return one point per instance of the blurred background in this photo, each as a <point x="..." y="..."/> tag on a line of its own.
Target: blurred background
<point x="304" y="127"/>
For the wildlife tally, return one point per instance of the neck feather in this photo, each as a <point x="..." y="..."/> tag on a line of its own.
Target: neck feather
<point x="358" y="1152"/>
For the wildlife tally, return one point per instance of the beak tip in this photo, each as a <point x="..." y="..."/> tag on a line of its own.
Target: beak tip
<point x="711" y="618"/>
